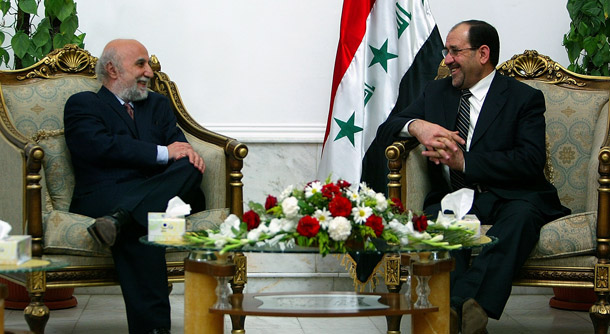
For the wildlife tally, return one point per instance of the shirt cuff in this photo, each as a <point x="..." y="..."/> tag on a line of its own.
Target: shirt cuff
<point x="405" y="130"/>
<point x="162" y="155"/>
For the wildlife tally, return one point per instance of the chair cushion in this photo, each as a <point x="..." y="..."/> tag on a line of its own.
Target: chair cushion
<point x="65" y="233"/>
<point x="57" y="165"/>
<point x="571" y="118"/>
<point x="568" y="236"/>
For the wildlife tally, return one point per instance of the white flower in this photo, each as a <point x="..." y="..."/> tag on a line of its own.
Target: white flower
<point x="361" y="213"/>
<point x="313" y="188"/>
<point x="281" y="225"/>
<point x="324" y="217"/>
<point x="339" y="229"/>
<point x="226" y="228"/>
<point x="290" y="207"/>
<point x="287" y="192"/>
<point x="382" y="202"/>
<point x="401" y="229"/>
<point x="353" y="196"/>
<point x="255" y="234"/>
<point x="366" y="191"/>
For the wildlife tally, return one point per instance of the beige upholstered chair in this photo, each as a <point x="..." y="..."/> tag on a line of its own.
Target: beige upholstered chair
<point x="572" y="251"/>
<point x="36" y="178"/>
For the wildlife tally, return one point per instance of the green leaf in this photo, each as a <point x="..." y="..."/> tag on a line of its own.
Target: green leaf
<point x="590" y="45"/>
<point x="4" y="56"/>
<point x="5" y="5"/>
<point x="28" y="6"/>
<point x="20" y="43"/>
<point x="60" y="40"/>
<point x="27" y="61"/>
<point x="69" y="26"/>
<point x="583" y="29"/>
<point x="2" y="36"/>
<point x="59" y="9"/>
<point x="41" y="37"/>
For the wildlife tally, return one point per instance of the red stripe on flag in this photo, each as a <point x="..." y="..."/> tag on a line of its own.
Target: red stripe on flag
<point x="353" y="28"/>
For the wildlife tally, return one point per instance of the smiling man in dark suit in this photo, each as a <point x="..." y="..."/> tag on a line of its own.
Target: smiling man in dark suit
<point x="483" y="131"/>
<point x="130" y="158"/>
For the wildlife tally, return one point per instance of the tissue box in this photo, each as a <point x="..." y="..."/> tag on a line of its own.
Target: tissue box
<point x="472" y="223"/>
<point x="16" y="249"/>
<point x="161" y="227"/>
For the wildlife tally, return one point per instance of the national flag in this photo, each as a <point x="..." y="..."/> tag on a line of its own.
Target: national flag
<point x="386" y="47"/>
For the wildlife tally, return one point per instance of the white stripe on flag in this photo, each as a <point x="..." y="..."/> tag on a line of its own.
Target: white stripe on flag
<point x="379" y="64"/>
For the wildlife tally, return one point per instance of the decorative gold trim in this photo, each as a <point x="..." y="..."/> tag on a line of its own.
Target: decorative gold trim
<point x="392" y="270"/>
<point x="530" y="65"/>
<point x="69" y="59"/>
<point x="44" y="134"/>
<point x="241" y="269"/>
<point x="602" y="280"/>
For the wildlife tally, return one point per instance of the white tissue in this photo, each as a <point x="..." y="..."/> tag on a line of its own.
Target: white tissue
<point x="459" y="202"/>
<point x="5" y="229"/>
<point x="177" y="208"/>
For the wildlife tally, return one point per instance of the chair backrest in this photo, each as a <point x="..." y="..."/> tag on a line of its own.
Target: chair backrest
<point x="576" y="123"/>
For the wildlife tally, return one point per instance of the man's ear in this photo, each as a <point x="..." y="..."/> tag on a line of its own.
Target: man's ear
<point x="112" y="71"/>
<point x="484" y="54"/>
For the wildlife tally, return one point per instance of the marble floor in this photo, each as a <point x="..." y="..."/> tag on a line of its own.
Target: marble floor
<point x="101" y="314"/>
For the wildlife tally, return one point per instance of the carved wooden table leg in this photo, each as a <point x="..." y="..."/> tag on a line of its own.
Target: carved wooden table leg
<point x="238" y="284"/>
<point x="36" y="313"/>
<point x="199" y="294"/>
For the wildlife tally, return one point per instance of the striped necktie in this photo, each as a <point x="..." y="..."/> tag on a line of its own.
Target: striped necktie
<point x="462" y="125"/>
<point x="129" y="109"/>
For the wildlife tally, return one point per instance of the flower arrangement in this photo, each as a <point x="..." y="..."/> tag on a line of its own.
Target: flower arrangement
<point x="335" y="217"/>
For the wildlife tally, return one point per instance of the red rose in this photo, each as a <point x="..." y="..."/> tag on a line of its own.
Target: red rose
<point x="397" y="205"/>
<point x="308" y="226"/>
<point x="343" y="184"/>
<point x="330" y="190"/>
<point x="270" y="202"/>
<point x="340" y="206"/>
<point x="252" y="219"/>
<point x="375" y="222"/>
<point x="420" y="223"/>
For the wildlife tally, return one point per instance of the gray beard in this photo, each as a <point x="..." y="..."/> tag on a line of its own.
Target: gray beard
<point x="133" y="93"/>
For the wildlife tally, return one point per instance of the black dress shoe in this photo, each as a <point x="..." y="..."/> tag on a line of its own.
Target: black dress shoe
<point x="160" y="331"/>
<point x="105" y="229"/>
<point x="474" y="318"/>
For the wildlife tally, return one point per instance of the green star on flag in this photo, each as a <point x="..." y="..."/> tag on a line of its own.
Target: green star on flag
<point x="382" y="56"/>
<point x="348" y="129"/>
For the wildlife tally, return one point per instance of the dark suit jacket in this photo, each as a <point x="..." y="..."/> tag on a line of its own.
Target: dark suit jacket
<point x="507" y="153"/>
<point x="109" y="149"/>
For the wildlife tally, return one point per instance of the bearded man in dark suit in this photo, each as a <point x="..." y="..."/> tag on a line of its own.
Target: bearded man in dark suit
<point x="130" y="158"/>
<point x="497" y="148"/>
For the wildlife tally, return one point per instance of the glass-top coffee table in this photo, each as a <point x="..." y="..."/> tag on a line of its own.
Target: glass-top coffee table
<point x="207" y="270"/>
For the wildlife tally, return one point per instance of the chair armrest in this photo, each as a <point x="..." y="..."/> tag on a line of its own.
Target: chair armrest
<point x="33" y="158"/>
<point x="397" y="155"/>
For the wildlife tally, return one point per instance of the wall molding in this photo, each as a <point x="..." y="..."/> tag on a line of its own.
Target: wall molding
<point x="271" y="133"/>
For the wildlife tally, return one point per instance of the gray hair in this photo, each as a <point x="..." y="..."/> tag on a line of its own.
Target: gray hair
<point x="109" y="55"/>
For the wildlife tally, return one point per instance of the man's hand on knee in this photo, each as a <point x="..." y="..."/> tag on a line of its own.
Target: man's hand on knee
<point x="178" y="150"/>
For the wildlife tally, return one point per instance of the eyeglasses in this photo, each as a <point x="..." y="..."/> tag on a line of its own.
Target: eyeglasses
<point x="455" y="52"/>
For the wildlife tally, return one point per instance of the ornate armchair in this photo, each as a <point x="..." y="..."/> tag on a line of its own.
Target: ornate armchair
<point x="573" y="251"/>
<point x="36" y="178"/>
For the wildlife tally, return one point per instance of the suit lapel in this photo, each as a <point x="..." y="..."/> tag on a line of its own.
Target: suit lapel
<point x="143" y="116"/>
<point x="450" y="105"/>
<point x="492" y="106"/>
<point x="109" y="98"/>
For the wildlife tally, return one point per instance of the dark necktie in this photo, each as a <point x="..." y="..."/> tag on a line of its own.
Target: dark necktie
<point x="129" y="109"/>
<point x="462" y="125"/>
